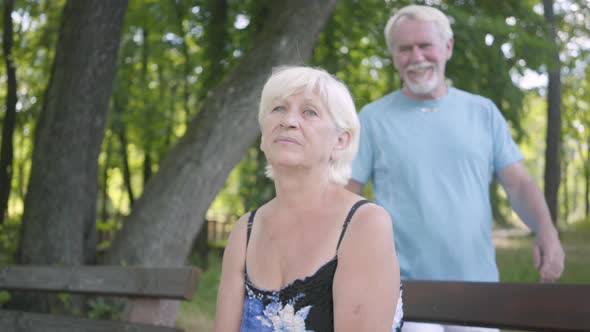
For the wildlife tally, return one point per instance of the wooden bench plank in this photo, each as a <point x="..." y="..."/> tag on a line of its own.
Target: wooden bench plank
<point x="524" y="306"/>
<point x="167" y="283"/>
<point x="13" y="321"/>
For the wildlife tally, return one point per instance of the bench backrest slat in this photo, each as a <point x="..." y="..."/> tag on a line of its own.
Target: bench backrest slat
<point x="13" y="321"/>
<point x="525" y="306"/>
<point x="167" y="283"/>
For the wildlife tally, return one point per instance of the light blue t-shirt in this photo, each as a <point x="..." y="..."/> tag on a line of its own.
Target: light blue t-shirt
<point x="431" y="163"/>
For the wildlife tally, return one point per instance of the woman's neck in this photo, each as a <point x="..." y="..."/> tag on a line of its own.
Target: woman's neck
<point x="305" y="190"/>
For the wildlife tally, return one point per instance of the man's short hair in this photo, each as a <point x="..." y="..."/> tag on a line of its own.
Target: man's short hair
<point x="421" y="13"/>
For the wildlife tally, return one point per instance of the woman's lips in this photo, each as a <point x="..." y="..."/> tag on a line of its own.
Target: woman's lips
<point x="283" y="139"/>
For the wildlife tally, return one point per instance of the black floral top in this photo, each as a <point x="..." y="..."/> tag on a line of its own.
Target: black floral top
<point x="304" y="305"/>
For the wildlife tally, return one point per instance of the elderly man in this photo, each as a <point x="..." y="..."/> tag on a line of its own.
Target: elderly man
<point x="431" y="151"/>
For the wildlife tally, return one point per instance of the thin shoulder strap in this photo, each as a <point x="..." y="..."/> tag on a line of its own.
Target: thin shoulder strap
<point x="349" y="217"/>
<point x="250" y="222"/>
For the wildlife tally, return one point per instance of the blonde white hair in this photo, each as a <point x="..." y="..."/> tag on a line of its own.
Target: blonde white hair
<point x="420" y="13"/>
<point x="286" y="81"/>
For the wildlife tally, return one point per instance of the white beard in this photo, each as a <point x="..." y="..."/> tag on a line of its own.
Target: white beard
<point x="423" y="85"/>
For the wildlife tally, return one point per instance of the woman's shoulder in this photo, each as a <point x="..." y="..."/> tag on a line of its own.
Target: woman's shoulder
<point x="362" y="209"/>
<point x="371" y="217"/>
<point x="369" y="232"/>
<point x="241" y="225"/>
<point x="238" y="235"/>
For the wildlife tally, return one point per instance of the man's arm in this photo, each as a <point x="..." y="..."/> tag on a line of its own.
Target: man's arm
<point x="528" y="202"/>
<point x="355" y="186"/>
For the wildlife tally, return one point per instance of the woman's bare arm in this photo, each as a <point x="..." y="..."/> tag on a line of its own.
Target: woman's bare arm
<point x="230" y="296"/>
<point x="367" y="281"/>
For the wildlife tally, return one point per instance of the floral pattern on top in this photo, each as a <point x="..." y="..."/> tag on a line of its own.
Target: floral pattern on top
<point x="285" y="318"/>
<point x="265" y="312"/>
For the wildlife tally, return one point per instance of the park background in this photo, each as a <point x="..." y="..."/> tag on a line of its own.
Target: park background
<point x="129" y="131"/>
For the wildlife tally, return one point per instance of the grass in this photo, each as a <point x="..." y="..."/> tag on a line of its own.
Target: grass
<point x="198" y="314"/>
<point x="513" y="254"/>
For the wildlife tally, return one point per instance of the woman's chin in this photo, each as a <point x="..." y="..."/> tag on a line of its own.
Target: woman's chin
<point x="286" y="165"/>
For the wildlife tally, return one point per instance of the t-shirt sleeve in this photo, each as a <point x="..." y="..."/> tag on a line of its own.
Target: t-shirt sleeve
<point x="506" y="151"/>
<point x="362" y="165"/>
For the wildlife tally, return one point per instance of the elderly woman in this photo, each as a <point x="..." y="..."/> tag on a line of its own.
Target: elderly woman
<point x="316" y="257"/>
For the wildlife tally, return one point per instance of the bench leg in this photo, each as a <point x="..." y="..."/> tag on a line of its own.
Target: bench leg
<point x="152" y="311"/>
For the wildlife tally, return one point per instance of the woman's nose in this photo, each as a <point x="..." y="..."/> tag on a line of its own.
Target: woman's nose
<point x="290" y="120"/>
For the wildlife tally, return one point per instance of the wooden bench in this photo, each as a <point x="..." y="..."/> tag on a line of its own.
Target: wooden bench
<point x="520" y="306"/>
<point x="149" y="289"/>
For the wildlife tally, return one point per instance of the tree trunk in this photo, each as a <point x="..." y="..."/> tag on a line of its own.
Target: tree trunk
<point x="7" y="148"/>
<point x="552" y="164"/>
<point x="147" y="165"/>
<point x="59" y="219"/>
<point x="60" y="204"/>
<point x="166" y="218"/>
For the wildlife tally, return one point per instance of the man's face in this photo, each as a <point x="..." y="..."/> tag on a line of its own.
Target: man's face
<point x="420" y="56"/>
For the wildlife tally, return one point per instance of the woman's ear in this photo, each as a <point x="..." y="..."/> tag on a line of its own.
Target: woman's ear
<point x="341" y="144"/>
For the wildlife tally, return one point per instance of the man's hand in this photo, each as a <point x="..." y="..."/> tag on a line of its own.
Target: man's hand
<point x="548" y="257"/>
<point x="529" y="203"/>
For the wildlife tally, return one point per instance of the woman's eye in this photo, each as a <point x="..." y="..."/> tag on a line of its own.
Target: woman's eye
<point x="310" y="112"/>
<point x="278" y="109"/>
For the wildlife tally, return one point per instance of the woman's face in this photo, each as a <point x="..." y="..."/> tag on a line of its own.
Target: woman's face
<point x="299" y="132"/>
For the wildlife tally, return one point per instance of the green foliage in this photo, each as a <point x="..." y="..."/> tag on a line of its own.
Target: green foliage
<point x="246" y="188"/>
<point x="4" y="297"/>
<point x="36" y="24"/>
<point x="100" y="308"/>
<point x="197" y="315"/>
<point x="255" y="188"/>
<point x="514" y="256"/>
<point x="107" y="226"/>
<point x="496" y="42"/>
<point x="65" y="304"/>
<point x="352" y="47"/>
<point x="9" y="236"/>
